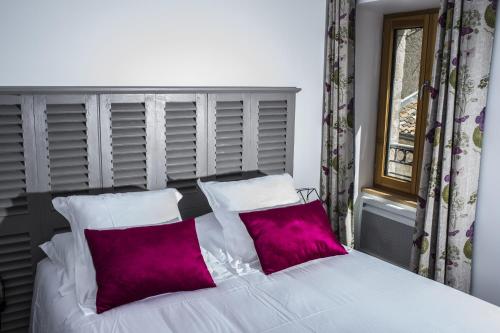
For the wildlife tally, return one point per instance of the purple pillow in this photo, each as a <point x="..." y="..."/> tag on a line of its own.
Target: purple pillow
<point x="289" y="236"/>
<point x="136" y="263"/>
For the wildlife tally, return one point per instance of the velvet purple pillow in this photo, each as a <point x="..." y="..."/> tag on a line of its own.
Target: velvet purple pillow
<point x="136" y="263"/>
<point x="289" y="236"/>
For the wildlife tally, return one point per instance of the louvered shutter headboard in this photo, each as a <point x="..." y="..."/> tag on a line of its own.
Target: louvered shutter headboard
<point x="65" y="141"/>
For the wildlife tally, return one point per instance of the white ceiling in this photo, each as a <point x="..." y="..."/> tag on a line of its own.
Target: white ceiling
<point x="395" y="6"/>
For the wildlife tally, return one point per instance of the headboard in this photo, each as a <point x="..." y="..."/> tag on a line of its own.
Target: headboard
<point x="90" y="140"/>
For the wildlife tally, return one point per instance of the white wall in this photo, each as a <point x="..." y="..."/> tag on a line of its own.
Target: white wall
<point x="174" y="43"/>
<point x="485" y="267"/>
<point x="367" y="62"/>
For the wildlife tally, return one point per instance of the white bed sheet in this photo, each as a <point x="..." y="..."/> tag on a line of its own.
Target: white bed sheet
<point x="351" y="293"/>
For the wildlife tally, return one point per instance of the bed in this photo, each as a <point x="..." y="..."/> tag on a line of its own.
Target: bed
<point x="349" y="293"/>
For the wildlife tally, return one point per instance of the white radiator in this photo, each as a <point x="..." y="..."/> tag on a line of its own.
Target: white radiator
<point x="384" y="229"/>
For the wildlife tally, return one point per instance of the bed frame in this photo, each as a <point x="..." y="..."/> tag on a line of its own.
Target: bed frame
<point x="88" y="140"/>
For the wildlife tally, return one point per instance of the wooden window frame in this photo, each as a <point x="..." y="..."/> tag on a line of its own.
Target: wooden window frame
<point x="428" y="21"/>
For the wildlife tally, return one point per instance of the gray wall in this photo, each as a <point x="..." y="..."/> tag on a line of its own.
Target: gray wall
<point x="485" y="267"/>
<point x="176" y="43"/>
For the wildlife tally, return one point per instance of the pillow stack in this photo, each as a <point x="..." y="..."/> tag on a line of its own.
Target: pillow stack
<point x="228" y="199"/>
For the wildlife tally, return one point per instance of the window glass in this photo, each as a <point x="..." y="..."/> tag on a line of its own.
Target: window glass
<point x="406" y="60"/>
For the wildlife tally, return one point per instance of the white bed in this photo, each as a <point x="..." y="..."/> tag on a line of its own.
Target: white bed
<point x="350" y="293"/>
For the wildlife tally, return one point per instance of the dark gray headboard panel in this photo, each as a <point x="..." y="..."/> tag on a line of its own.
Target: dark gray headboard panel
<point x="89" y="140"/>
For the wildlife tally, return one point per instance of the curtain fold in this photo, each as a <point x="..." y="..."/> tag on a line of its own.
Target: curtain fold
<point x="450" y="174"/>
<point x="337" y="156"/>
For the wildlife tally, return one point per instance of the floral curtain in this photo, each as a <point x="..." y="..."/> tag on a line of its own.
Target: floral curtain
<point x="448" y="186"/>
<point x="337" y="157"/>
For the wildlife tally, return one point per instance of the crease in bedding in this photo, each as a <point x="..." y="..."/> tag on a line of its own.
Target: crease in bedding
<point x="353" y="293"/>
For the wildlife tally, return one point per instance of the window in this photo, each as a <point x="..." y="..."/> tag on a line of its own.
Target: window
<point x="406" y="66"/>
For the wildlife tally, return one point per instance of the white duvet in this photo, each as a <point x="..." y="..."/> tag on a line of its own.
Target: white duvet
<point x="350" y="293"/>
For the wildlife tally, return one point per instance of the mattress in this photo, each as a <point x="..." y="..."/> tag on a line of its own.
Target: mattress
<point x="350" y="293"/>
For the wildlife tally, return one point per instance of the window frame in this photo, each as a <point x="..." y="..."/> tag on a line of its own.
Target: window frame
<point x="427" y="20"/>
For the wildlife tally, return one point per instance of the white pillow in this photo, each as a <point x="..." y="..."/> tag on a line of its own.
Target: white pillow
<point x="228" y="199"/>
<point x="60" y="250"/>
<point x="107" y="211"/>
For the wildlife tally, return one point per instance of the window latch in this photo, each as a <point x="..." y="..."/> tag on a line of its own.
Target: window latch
<point x="425" y="86"/>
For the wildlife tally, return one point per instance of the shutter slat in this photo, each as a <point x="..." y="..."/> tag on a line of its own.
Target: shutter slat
<point x="134" y="165"/>
<point x="10" y="119"/>
<point x="125" y="158"/>
<point x="6" y="139"/>
<point x="128" y="124"/>
<point x="12" y="175"/>
<point x="71" y="136"/>
<point x="174" y="132"/>
<point x="67" y="154"/>
<point x="65" y="118"/>
<point x="130" y="182"/>
<point x="75" y="171"/>
<point x="177" y="175"/>
<point x="180" y="114"/>
<point x="125" y="150"/>
<point x="180" y="107"/>
<point x="68" y="144"/>
<point x="67" y="179"/>
<point x="66" y="127"/>
<point x="273" y="104"/>
<point x="122" y="174"/>
<point x="129" y="140"/>
<point x="173" y="154"/>
<point x="229" y="105"/>
<point x="128" y="132"/>
<point x="174" y="139"/>
<point x="190" y="161"/>
<point x="10" y="129"/>
<point x="10" y="109"/>
<point x="65" y="108"/>
<point x="9" y="158"/>
<point x="128" y="107"/>
<point x="57" y="164"/>
<point x="181" y="145"/>
<point x="12" y="148"/>
<point x="129" y="116"/>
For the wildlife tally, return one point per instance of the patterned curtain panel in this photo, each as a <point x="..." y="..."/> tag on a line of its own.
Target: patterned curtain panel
<point x="448" y="186"/>
<point x="337" y="158"/>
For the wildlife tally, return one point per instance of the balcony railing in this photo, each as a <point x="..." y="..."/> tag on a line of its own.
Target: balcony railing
<point x="401" y="154"/>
